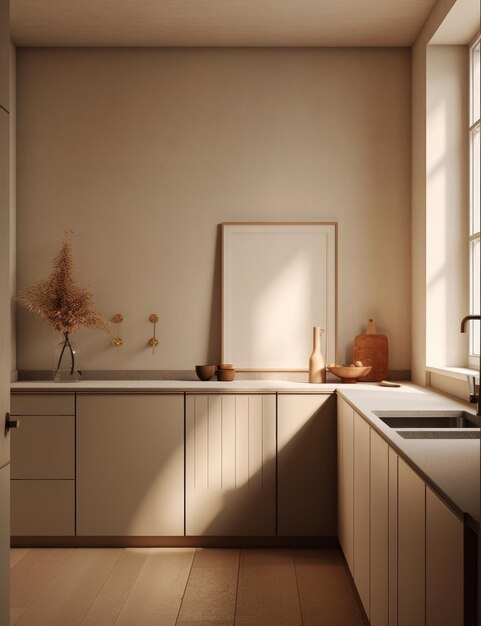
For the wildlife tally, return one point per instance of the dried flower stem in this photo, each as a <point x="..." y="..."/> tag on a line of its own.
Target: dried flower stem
<point x="60" y="300"/>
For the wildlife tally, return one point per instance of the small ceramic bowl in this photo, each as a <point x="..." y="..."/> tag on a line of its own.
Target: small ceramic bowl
<point x="349" y="374"/>
<point x="205" y="372"/>
<point x="225" y="375"/>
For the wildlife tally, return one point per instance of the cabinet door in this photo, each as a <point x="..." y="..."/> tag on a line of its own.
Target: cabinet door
<point x="43" y="508"/>
<point x="411" y="547"/>
<point x="4" y="545"/>
<point x="130" y="465"/>
<point x="307" y="465"/>
<point x="379" y="537"/>
<point x="444" y="564"/>
<point x="43" y="447"/>
<point x="361" y="509"/>
<point x="346" y="481"/>
<point x="230" y="465"/>
<point x="393" y="534"/>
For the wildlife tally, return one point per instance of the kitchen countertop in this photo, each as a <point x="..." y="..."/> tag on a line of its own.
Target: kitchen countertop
<point x="169" y="386"/>
<point x="450" y="466"/>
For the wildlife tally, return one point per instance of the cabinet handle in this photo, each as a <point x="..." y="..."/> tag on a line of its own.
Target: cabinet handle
<point x="9" y="423"/>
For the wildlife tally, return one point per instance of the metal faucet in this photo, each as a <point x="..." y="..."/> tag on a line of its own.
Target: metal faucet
<point x="473" y="396"/>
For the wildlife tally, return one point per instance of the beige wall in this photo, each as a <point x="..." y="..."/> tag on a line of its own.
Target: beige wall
<point x="439" y="295"/>
<point x="418" y="235"/>
<point x="143" y="153"/>
<point x="447" y="199"/>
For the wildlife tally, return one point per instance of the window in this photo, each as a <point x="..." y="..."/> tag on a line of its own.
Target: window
<point x="474" y="200"/>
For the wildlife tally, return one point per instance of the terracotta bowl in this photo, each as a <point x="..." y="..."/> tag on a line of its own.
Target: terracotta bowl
<point x="205" y="372"/>
<point x="349" y="374"/>
<point x="226" y="375"/>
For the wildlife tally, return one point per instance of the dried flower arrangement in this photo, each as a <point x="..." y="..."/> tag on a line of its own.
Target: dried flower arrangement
<point x="62" y="302"/>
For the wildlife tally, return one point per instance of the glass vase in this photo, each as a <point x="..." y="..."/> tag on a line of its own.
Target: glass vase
<point x="66" y="361"/>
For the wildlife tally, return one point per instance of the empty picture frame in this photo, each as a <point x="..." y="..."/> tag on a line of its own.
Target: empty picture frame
<point x="278" y="281"/>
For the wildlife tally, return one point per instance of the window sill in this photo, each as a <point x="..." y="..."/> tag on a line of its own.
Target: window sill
<point x="451" y="380"/>
<point x="459" y="373"/>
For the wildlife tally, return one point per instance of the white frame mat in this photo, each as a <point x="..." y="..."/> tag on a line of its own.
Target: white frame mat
<point x="278" y="281"/>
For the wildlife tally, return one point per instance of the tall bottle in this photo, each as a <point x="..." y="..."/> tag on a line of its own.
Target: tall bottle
<point x="317" y="365"/>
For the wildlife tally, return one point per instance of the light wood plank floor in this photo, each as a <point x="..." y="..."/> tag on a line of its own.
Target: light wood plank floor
<point x="183" y="586"/>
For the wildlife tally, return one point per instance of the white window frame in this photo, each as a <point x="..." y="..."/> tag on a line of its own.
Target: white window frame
<point x="474" y="236"/>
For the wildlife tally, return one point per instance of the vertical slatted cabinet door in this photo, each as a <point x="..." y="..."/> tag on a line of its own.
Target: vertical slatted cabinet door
<point x="379" y="595"/>
<point x="230" y="465"/>
<point x="411" y="547"/>
<point x="362" y="513"/>
<point x="444" y="564"/>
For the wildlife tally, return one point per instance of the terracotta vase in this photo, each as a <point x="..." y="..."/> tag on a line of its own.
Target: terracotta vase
<point x="317" y="365"/>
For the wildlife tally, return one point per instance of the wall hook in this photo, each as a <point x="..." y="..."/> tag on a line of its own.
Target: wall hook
<point x="117" y="319"/>
<point x="153" y="341"/>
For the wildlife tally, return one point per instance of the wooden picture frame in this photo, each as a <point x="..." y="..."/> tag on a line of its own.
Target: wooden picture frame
<point x="279" y="279"/>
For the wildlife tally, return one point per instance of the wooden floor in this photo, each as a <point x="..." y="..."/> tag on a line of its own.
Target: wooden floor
<point x="184" y="586"/>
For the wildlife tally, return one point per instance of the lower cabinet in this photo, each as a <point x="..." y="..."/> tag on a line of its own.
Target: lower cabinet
<point x="404" y="546"/>
<point x="5" y="545"/>
<point x="130" y="464"/>
<point x="362" y="515"/>
<point x="230" y="465"/>
<point x="42" y="508"/>
<point x="379" y="531"/>
<point x="169" y="464"/>
<point x="411" y="544"/>
<point x="393" y="461"/>
<point x="345" y="460"/>
<point x="444" y="564"/>
<point x="307" y="465"/>
<point x="43" y="465"/>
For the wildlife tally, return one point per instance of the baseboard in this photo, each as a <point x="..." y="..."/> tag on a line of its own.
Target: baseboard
<point x="174" y="542"/>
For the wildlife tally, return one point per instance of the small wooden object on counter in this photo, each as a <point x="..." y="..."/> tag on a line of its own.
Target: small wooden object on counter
<point x="349" y="373"/>
<point x="372" y="349"/>
<point x="205" y="372"/>
<point x="225" y="373"/>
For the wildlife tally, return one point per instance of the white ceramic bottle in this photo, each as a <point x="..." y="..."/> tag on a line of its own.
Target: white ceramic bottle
<point x="317" y="365"/>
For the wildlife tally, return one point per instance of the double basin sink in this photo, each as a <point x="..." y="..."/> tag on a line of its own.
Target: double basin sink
<point x="432" y="424"/>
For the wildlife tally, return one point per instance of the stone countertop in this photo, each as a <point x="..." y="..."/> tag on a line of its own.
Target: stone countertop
<point x="172" y="386"/>
<point x="450" y="466"/>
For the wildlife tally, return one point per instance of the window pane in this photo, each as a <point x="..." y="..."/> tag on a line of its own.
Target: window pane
<point x="475" y="180"/>
<point x="475" y="300"/>
<point x="475" y="94"/>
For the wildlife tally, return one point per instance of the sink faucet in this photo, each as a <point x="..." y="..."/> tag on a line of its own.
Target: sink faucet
<point x="472" y="393"/>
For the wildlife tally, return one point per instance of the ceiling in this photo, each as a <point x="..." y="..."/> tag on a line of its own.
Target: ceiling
<point x="217" y="22"/>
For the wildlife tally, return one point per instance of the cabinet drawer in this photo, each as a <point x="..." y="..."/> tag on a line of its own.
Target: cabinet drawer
<point x="43" y="447"/>
<point x="42" y="404"/>
<point x="42" y="507"/>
